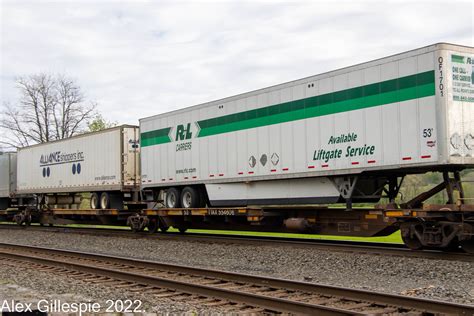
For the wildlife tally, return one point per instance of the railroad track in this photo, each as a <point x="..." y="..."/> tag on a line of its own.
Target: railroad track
<point x="329" y="245"/>
<point x="231" y="291"/>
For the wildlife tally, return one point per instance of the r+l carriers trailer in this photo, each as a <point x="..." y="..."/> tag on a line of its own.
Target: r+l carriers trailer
<point x="345" y="136"/>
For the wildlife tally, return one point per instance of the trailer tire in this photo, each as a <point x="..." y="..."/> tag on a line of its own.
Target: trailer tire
<point x="172" y="199"/>
<point x="190" y="198"/>
<point x="95" y="200"/>
<point x="105" y="200"/>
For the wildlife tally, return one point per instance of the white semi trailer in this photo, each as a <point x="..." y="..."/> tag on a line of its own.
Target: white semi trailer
<point x="349" y="135"/>
<point x="104" y="164"/>
<point x="323" y="139"/>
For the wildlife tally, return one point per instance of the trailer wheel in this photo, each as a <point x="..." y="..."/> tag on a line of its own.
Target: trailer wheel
<point x="190" y="197"/>
<point x="105" y="200"/>
<point x="172" y="199"/>
<point x="95" y="201"/>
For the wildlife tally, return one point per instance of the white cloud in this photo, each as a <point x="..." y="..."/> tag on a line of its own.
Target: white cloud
<point x="141" y="58"/>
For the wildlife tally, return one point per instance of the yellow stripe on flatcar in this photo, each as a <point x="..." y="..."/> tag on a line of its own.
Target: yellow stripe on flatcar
<point x="394" y="213"/>
<point x="175" y="213"/>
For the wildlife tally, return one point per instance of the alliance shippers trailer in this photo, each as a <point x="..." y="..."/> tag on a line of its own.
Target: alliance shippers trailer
<point x="344" y="136"/>
<point x="104" y="163"/>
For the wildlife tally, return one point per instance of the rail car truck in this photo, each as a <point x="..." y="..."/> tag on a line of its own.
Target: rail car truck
<point x="104" y="164"/>
<point x="345" y="136"/>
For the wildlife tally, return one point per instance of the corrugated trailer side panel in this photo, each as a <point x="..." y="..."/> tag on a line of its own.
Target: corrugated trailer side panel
<point x="89" y="162"/>
<point x="237" y="137"/>
<point x="371" y="116"/>
<point x="7" y="167"/>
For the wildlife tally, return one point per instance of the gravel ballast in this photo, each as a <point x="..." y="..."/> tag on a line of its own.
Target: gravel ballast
<point x="24" y="285"/>
<point x="426" y="278"/>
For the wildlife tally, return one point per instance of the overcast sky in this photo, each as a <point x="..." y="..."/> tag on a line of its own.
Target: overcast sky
<point x="141" y="58"/>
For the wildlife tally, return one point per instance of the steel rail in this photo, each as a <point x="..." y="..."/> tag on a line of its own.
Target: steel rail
<point x="272" y="303"/>
<point x="371" y="248"/>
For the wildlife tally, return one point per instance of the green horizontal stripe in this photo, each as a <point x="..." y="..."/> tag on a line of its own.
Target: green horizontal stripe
<point x="159" y="136"/>
<point x="386" y="92"/>
<point x="390" y="91"/>
<point x="457" y="59"/>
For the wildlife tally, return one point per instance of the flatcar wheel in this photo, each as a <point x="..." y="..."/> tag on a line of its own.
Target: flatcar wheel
<point x="453" y="246"/>
<point x="138" y="230"/>
<point x="410" y="240"/>
<point x="182" y="230"/>
<point x="468" y="246"/>
<point x="153" y="226"/>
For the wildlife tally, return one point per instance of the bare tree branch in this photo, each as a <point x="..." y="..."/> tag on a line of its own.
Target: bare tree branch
<point x="49" y="108"/>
